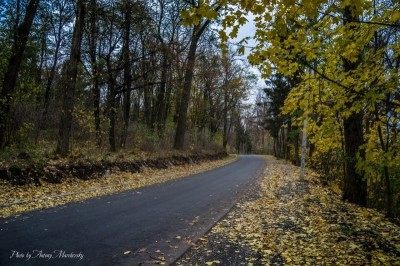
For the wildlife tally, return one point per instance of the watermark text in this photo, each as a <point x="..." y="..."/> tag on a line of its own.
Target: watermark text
<point x="46" y="255"/>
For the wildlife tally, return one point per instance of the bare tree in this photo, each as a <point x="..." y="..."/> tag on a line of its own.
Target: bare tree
<point x="70" y="84"/>
<point x="197" y="32"/>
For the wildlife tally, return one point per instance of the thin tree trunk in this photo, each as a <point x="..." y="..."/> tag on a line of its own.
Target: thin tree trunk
<point x="288" y="140"/>
<point x="70" y="84"/>
<point x="43" y="47"/>
<point x="93" y="35"/>
<point x="225" y="117"/>
<point x="111" y="106"/>
<point x="49" y="82"/>
<point x="389" y="192"/>
<point x="146" y="88"/>
<point x="303" y="150"/>
<point x="161" y="101"/>
<point x="14" y="63"/>
<point x="296" y="149"/>
<point x="127" y="73"/>
<point x="96" y="103"/>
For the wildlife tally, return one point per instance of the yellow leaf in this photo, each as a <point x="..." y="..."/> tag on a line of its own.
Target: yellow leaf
<point x="213" y="262"/>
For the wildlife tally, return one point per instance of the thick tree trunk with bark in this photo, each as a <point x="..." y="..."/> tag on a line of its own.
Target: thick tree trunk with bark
<point x="11" y="74"/>
<point x="354" y="185"/>
<point x="70" y="85"/>
<point x="187" y="86"/>
<point x="185" y="97"/>
<point x="355" y="189"/>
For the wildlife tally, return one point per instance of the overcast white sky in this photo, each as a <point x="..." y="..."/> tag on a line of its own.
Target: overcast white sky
<point x="248" y="30"/>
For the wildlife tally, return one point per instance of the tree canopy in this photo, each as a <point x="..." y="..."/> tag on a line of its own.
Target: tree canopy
<point x="344" y="57"/>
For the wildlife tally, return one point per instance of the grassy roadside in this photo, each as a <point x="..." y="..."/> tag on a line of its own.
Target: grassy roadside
<point x="15" y="200"/>
<point x="288" y="222"/>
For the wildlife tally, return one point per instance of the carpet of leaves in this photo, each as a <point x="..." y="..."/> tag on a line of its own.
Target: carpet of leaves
<point x="15" y="200"/>
<point x="285" y="221"/>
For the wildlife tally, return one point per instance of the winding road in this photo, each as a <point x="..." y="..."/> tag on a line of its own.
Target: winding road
<point x="151" y="225"/>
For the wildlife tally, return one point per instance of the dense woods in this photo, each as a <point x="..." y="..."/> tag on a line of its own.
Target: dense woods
<point x="131" y="75"/>
<point x="79" y="76"/>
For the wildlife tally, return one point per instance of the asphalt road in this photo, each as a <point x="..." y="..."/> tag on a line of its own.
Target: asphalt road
<point x="141" y="226"/>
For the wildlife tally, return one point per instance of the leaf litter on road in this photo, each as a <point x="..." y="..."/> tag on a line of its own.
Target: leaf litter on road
<point x="285" y="221"/>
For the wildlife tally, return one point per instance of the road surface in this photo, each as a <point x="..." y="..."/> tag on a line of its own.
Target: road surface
<point x="136" y="227"/>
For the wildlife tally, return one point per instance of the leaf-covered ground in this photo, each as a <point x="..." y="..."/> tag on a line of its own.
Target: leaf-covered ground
<point x="18" y="199"/>
<point x="284" y="221"/>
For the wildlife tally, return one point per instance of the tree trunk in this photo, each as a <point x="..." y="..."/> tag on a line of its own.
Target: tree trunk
<point x="93" y="37"/>
<point x="296" y="149"/>
<point x="70" y="84"/>
<point x="355" y="189"/>
<point x="187" y="86"/>
<point x="127" y="73"/>
<point x="14" y="63"/>
<point x="96" y="103"/>
<point x="147" y="95"/>
<point x="303" y="150"/>
<point x="161" y="101"/>
<point x="225" y="118"/>
<point x="388" y="184"/>
<point x="111" y="105"/>
<point x="186" y="90"/>
<point x="49" y="83"/>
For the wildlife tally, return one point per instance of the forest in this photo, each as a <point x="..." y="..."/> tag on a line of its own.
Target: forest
<point x="81" y="77"/>
<point x="117" y="75"/>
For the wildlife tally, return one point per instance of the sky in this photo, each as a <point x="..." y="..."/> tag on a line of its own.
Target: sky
<point x="248" y="30"/>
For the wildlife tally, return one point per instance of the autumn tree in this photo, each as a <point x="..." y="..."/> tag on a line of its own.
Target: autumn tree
<point x="200" y="24"/>
<point x="331" y="40"/>
<point x="222" y="82"/>
<point x="355" y="189"/>
<point x="20" y="38"/>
